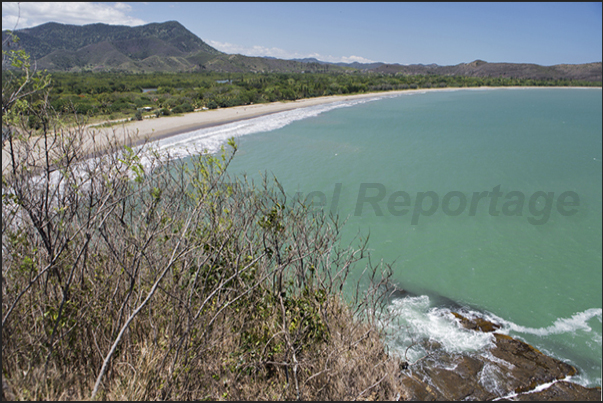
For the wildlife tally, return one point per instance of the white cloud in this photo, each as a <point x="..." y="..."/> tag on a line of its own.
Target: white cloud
<point x="358" y="59"/>
<point x="25" y="15"/>
<point x="251" y="51"/>
<point x="283" y="54"/>
<point x="122" y="6"/>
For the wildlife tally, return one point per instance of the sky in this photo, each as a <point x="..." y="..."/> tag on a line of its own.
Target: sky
<point x="404" y="33"/>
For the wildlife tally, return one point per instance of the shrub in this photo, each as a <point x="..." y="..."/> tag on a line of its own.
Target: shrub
<point x="183" y="108"/>
<point x="205" y="285"/>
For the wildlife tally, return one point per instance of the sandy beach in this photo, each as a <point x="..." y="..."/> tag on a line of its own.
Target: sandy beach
<point x="138" y="132"/>
<point x="98" y="138"/>
<point x="158" y="128"/>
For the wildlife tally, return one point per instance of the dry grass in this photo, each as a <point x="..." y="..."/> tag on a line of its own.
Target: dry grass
<point x="352" y="365"/>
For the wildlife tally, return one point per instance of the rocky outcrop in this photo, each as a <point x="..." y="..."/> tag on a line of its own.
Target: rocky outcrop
<point x="476" y="324"/>
<point x="511" y="370"/>
<point x="563" y="391"/>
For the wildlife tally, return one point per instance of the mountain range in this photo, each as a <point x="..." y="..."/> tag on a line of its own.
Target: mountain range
<point x="170" y="47"/>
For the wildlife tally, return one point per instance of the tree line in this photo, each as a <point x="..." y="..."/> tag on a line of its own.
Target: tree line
<point x="114" y="95"/>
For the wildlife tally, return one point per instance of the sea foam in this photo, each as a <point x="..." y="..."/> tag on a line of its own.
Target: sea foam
<point x="411" y="323"/>
<point x="577" y="322"/>
<point x="212" y="138"/>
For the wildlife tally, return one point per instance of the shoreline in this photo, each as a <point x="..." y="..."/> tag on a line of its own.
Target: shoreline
<point x="136" y="133"/>
<point x="154" y="129"/>
<point x="168" y="126"/>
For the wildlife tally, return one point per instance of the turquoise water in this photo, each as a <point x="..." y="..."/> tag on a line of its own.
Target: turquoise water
<point x="534" y="266"/>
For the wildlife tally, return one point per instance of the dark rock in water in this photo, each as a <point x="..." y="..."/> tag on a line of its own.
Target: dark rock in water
<point x="398" y="293"/>
<point x="458" y="379"/>
<point x="563" y="391"/>
<point x="530" y="367"/>
<point x="478" y="324"/>
<point x="510" y="368"/>
<point x="417" y="390"/>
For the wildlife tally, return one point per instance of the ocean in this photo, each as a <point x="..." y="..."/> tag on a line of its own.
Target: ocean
<point x="485" y="200"/>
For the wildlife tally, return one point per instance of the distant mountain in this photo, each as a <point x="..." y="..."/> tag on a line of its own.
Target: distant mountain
<point x="362" y="66"/>
<point x="170" y="47"/>
<point x="152" y="47"/>
<point x="243" y="64"/>
<point x="354" y="65"/>
<point x="167" y="46"/>
<point x="480" y="68"/>
<point x="311" y="60"/>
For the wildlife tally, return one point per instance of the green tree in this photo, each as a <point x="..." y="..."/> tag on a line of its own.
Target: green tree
<point x="21" y="86"/>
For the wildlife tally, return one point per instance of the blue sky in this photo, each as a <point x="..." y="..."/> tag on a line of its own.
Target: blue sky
<point x="405" y="33"/>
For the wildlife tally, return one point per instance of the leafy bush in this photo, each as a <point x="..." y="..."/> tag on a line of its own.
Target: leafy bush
<point x="183" y="108"/>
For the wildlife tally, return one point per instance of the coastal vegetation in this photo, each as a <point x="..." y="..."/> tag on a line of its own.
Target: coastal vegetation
<point x="110" y="96"/>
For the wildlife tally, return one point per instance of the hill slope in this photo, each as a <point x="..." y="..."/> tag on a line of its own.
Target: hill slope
<point x="154" y="47"/>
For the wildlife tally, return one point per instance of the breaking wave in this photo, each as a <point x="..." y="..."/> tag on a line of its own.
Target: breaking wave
<point x="414" y="326"/>
<point x="212" y="138"/>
